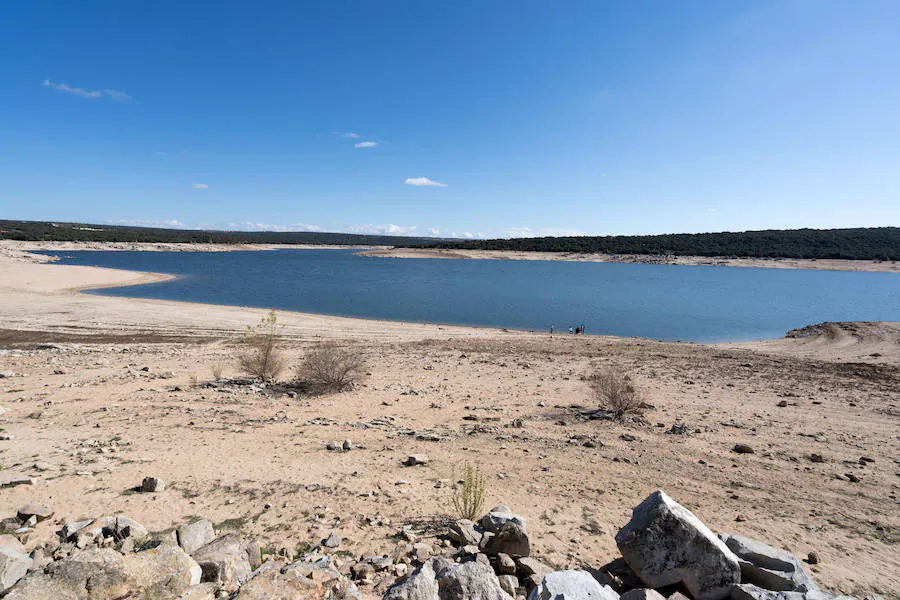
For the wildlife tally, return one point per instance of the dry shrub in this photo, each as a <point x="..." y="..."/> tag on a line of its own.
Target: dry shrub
<point x="468" y="497"/>
<point x="329" y="368"/>
<point x="614" y="391"/>
<point x="217" y="370"/>
<point x="262" y="357"/>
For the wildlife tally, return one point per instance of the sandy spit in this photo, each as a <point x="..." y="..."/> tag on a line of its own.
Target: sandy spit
<point x="765" y="263"/>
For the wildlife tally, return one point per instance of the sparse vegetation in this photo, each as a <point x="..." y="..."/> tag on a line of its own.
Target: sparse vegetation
<point x="615" y="391"/>
<point x="263" y="357"/>
<point x="217" y="370"/>
<point x="330" y="368"/>
<point x="468" y="496"/>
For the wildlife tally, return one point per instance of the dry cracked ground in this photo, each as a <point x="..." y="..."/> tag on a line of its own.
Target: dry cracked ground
<point x="89" y="417"/>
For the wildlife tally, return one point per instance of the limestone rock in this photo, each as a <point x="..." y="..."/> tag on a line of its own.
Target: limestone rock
<point x="224" y="560"/>
<point x="768" y="567"/>
<point x="162" y="572"/>
<point x="508" y="583"/>
<point x="14" y="566"/>
<point x="129" y="528"/>
<point x="463" y="533"/>
<point x="571" y="585"/>
<point x="34" y="510"/>
<point x="511" y="540"/>
<point x="748" y="591"/>
<point x="664" y="543"/>
<point x="88" y="575"/>
<point x="532" y="566"/>
<point x="193" y="536"/>
<point x="152" y="484"/>
<point x="441" y="578"/>
<point x="201" y="591"/>
<point x="642" y="594"/>
<point x="499" y="516"/>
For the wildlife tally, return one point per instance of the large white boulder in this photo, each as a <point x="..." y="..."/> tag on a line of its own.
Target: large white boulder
<point x="664" y="544"/>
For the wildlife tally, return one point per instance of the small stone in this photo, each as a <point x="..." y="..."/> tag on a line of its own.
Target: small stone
<point x="347" y="445"/>
<point x="152" y="484"/>
<point x="34" y="510"/>
<point x="332" y="541"/>
<point x="505" y="564"/>
<point x="743" y="449"/>
<point x="812" y="558"/>
<point x="508" y="583"/>
<point x="363" y="572"/>
<point x="816" y="458"/>
<point x="782" y="404"/>
<point x="416" y="459"/>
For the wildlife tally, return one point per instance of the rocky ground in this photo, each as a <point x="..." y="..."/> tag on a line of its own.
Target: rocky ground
<point x="87" y="418"/>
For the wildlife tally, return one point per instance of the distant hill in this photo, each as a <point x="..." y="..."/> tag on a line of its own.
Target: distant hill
<point x="81" y="232"/>
<point x="876" y="243"/>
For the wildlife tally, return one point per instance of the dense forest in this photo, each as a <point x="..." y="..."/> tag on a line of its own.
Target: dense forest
<point x="78" y="232"/>
<point x="877" y="243"/>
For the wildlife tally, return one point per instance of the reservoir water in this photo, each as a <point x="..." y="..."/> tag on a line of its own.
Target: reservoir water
<point x="665" y="302"/>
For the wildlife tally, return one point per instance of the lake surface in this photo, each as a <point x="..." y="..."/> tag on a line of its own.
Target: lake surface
<point x="665" y="302"/>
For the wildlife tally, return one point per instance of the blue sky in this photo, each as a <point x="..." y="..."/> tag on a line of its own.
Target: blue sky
<point x="534" y="117"/>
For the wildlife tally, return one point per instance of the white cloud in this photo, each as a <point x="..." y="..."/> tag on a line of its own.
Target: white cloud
<point x="434" y="232"/>
<point x="199" y="186"/>
<point x="167" y="224"/>
<point x="525" y="232"/>
<point x="62" y="87"/>
<point x="251" y="226"/>
<point x="389" y="229"/>
<point x="365" y="145"/>
<point x="350" y="135"/>
<point x="423" y="181"/>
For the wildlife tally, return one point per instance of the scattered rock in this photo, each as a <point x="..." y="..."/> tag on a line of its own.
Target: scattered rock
<point x="743" y="449"/>
<point x="463" y="533"/>
<point x="28" y="511"/>
<point x="444" y="579"/>
<point x="152" y="484"/>
<point x="498" y="516"/>
<point x="416" y="459"/>
<point x="14" y="565"/>
<point x="642" y="594"/>
<point x="346" y="445"/>
<point x="812" y="558"/>
<point x="333" y="540"/>
<point x="193" y="536"/>
<point x="225" y="560"/>
<point x="571" y="585"/>
<point x="768" y="567"/>
<point x="664" y="543"/>
<point x="511" y="540"/>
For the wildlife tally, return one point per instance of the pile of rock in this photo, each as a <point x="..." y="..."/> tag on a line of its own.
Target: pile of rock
<point x="117" y="557"/>
<point x="667" y="552"/>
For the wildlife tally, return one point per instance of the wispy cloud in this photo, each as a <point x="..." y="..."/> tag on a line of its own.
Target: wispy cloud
<point x="251" y="226"/>
<point x="62" y="87"/>
<point x="423" y="181"/>
<point x="350" y="135"/>
<point x="526" y="232"/>
<point x="389" y="229"/>
<point x="164" y="224"/>
<point x="199" y="186"/>
<point x="365" y="145"/>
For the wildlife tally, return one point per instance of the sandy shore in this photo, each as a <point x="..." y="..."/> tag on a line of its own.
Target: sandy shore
<point x="765" y="263"/>
<point x="89" y="422"/>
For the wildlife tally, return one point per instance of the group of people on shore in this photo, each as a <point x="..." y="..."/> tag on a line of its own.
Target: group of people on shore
<point x="576" y="330"/>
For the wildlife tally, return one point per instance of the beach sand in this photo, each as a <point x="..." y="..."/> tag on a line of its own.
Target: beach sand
<point x="89" y="422"/>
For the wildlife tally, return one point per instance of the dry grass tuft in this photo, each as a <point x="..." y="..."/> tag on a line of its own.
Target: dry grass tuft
<point x="468" y="497"/>
<point x="330" y="368"/>
<point x="262" y="357"/>
<point x="615" y="391"/>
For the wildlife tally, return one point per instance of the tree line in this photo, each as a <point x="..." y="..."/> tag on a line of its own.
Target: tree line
<point x="82" y="232"/>
<point x="875" y="243"/>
